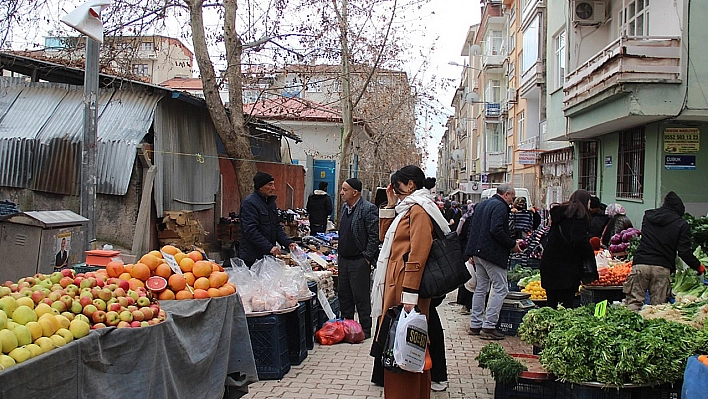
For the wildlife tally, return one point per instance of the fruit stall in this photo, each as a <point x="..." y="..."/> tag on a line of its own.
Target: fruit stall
<point x="170" y="325"/>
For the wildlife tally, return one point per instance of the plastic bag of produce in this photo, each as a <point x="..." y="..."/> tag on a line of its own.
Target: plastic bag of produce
<point x="332" y="332"/>
<point x="270" y="271"/>
<point x="247" y="284"/>
<point x="411" y="341"/>
<point x="353" y="333"/>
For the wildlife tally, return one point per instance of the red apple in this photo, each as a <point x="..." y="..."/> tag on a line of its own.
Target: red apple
<point x="124" y="285"/>
<point x="59" y="305"/>
<point x="115" y="307"/>
<point x="112" y="318"/>
<point x="65" y="282"/>
<point x="119" y="292"/>
<point x="68" y="273"/>
<point x="89" y="310"/>
<point x="162" y="315"/>
<point x="99" y="303"/>
<point x="8" y="283"/>
<point x="135" y="324"/>
<point x="123" y="301"/>
<point x="147" y="313"/>
<point x="137" y="315"/>
<point x="47" y="301"/>
<point x="105" y="294"/>
<point x="78" y="279"/>
<point x="37" y="296"/>
<point x="85" y="300"/>
<point x="91" y="274"/>
<point x="67" y="299"/>
<point x="97" y="326"/>
<point x="94" y="291"/>
<point x="100" y="282"/>
<point x="144" y="323"/>
<point x="98" y="316"/>
<point x="131" y="301"/>
<point x="123" y="324"/>
<point x="154" y="321"/>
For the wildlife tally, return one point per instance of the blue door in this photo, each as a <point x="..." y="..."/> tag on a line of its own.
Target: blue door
<point x="325" y="171"/>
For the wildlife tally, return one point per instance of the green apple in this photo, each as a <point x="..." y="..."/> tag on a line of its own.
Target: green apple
<point x="66" y="334"/>
<point x="8" y="340"/>
<point x="46" y="283"/>
<point x="35" y="329"/>
<point x="34" y="349"/>
<point x="83" y="318"/>
<point x="55" y="277"/>
<point x="20" y="354"/>
<point x="23" y="315"/>
<point x="58" y="340"/>
<point x="42" y="308"/>
<point x="23" y="334"/>
<point x="8" y="305"/>
<point x="45" y="343"/>
<point x="6" y="361"/>
<point x="3" y="320"/>
<point x="5" y="291"/>
<point x="79" y="328"/>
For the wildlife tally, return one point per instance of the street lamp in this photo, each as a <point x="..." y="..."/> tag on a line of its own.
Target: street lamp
<point x="453" y="63"/>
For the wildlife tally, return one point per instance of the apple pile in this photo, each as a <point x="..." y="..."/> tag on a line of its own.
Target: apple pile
<point x="189" y="277"/>
<point x="44" y="312"/>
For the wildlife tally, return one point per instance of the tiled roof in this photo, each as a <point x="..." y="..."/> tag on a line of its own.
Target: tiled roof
<point x="286" y="108"/>
<point x="183" y="83"/>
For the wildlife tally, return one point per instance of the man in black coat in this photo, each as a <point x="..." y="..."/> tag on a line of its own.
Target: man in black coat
<point x="664" y="232"/>
<point x="319" y="206"/>
<point x="489" y="244"/>
<point x="598" y="219"/>
<point x="358" y="248"/>
<point x="261" y="231"/>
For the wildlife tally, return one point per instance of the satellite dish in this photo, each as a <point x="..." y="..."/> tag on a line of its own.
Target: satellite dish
<point x="471" y="98"/>
<point x="457" y="155"/>
<point x="475" y="49"/>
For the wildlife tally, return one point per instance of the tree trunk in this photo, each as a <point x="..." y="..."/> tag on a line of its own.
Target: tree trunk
<point x="347" y="114"/>
<point x="233" y="131"/>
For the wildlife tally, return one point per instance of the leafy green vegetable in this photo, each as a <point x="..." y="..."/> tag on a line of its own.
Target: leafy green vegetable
<point x="519" y="272"/>
<point x="504" y="368"/>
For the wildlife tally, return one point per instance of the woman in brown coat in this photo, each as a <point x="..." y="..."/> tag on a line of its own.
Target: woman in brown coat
<point x="406" y="229"/>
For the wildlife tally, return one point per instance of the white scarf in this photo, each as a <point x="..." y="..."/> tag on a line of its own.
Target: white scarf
<point x="423" y="198"/>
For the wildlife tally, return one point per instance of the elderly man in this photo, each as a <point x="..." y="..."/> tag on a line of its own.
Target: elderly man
<point x="489" y="243"/>
<point x="261" y="231"/>
<point x="358" y="248"/>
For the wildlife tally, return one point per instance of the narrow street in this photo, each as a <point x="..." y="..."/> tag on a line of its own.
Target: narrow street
<point x="344" y="370"/>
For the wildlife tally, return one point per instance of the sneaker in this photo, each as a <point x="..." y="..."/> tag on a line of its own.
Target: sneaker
<point x="491" y="334"/>
<point x="474" y="331"/>
<point x="464" y="311"/>
<point x="438" y="386"/>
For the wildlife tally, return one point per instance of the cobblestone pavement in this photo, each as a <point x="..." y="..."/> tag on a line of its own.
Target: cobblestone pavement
<point x="344" y="371"/>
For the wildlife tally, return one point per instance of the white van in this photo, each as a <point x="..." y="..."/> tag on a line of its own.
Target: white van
<point x="520" y="192"/>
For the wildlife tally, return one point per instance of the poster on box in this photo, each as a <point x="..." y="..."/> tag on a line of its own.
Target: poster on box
<point x="63" y="246"/>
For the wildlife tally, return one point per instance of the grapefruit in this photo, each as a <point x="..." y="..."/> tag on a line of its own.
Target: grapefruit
<point x="213" y="292"/>
<point x="202" y="268"/>
<point x="150" y="260"/>
<point x="163" y="270"/>
<point x="200" y="294"/>
<point x="141" y="271"/>
<point x="189" y="278"/>
<point x="183" y="294"/>
<point x="177" y="282"/>
<point x="114" y="269"/>
<point x="156" y="284"/>
<point x="202" y="283"/>
<point x="186" y="264"/>
<point x="166" y="295"/>
<point x="195" y="256"/>
<point x="170" y="249"/>
<point x="217" y="279"/>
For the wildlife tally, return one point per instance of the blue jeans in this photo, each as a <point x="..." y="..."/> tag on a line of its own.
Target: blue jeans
<point x="488" y="274"/>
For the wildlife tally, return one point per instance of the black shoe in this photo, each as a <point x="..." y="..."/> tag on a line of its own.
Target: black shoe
<point x="474" y="331"/>
<point x="491" y="334"/>
<point x="367" y="335"/>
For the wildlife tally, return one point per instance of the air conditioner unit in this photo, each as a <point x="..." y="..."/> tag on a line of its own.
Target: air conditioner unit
<point x="511" y="95"/>
<point x="586" y="12"/>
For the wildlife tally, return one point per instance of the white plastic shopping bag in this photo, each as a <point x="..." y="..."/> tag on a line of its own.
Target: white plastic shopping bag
<point x="471" y="284"/>
<point x="411" y="340"/>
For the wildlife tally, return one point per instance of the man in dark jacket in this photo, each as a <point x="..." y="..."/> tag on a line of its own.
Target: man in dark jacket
<point x="489" y="244"/>
<point x="319" y="206"/>
<point x="664" y="232"/>
<point x="598" y="219"/>
<point x="358" y="248"/>
<point x="261" y="231"/>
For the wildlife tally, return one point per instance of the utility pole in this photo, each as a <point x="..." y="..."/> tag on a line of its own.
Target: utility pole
<point x="88" y="150"/>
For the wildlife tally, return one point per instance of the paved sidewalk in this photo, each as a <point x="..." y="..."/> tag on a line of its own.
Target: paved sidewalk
<point x="344" y="371"/>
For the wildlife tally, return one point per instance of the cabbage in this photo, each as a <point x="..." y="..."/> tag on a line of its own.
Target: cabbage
<point x="615" y="239"/>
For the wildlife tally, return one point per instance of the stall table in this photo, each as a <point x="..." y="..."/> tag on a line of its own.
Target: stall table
<point x="202" y="350"/>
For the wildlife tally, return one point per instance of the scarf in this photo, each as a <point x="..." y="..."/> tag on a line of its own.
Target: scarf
<point x="420" y="197"/>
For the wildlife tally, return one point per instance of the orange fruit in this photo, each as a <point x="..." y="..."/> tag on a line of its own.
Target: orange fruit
<point x="128" y="267"/>
<point x="231" y="287"/>
<point x="125" y="276"/>
<point x="150" y="260"/>
<point x="201" y="294"/>
<point x="136" y="283"/>
<point x="202" y="283"/>
<point x="201" y="268"/>
<point x="177" y="282"/>
<point x="183" y="294"/>
<point x="166" y="295"/>
<point x="179" y="256"/>
<point x="189" y="278"/>
<point x="217" y="279"/>
<point x="163" y="270"/>
<point x="214" y="267"/>
<point x="224" y="291"/>
<point x="195" y="256"/>
<point x="140" y="271"/>
<point x="170" y="249"/>
<point x="186" y="264"/>
<point x="155" y="253"/>
<point x="213" y="292"/>
<point x="114" y="269"/>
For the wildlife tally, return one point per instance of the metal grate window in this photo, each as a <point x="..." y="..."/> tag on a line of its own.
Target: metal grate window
<point x="630" y="164"/>
<point x="587" y="162"/>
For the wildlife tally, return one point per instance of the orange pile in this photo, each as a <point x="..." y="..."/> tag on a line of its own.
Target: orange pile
<point x="207" y="279"/>
<point x="614" y="275"/>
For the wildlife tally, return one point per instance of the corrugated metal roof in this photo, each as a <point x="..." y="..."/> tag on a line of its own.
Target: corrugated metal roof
<point x="41" y="130"/>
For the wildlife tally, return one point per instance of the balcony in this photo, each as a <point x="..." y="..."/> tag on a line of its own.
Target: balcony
<point x="492" y="110"/>
<point x="530" y="143"/>
<point x="626" y="60"/>
<point x="496" y="160"/>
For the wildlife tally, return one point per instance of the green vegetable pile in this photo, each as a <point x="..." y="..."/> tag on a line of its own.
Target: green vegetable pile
<point x="518" y="272"/>
<point x="504" y="368"/>
<point x="617" y="349"/>
<point x="699" y="230"/>
<point x="687" y="286"/>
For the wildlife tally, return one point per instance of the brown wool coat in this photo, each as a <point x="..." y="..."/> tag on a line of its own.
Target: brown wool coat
<point x="414" y="236"/>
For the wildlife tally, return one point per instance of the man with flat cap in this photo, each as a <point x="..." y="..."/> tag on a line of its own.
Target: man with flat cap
<point x="261" y="231"/>
<point x="358" y="249"/>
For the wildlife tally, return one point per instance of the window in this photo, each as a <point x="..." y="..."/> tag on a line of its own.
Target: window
<point x="314" y="86"/>
<point x="510" y="126"/>
<point x="512" y="41"/>
<point x="141" y="70"/>
<point x="630" y="164"/>
<point x="496" y="138"/>
<point x="634" y="18"/>
<point x="509" y="155"/>
<point x="493" y="92"/>
<point x="522" y="127"/>
<point x="559" y="49"/>
<point x="587" y="163"/>
<point x="147" y="46"/>
<point x="494" y="43"/>
<point x="530" y="45"/>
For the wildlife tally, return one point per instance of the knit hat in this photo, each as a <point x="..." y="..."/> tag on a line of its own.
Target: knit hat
<point x="673" y="201"/>
<point x="595" y="202"/>
<point x="354" y="183"/>
<point x="261" y="179"/>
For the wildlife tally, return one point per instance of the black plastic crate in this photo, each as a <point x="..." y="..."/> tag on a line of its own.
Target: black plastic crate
<point x="510" y="320"/>
<point x="527" y="388"/>
<point x="297" y="334"/>
<point x="269" y="341"/>
<point x="83" y="268"/>
<point x="664" y="391"/>
<point x="597" y="391"/>
<point x="334" y="304"/>
<point x="597" y="295"/>
<point x="311" y="319"/>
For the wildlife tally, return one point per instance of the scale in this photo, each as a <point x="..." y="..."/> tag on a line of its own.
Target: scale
<point x="518" y="300"/>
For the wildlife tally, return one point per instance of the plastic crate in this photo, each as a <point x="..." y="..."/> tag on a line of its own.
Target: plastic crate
<point x="510" y="320"/>
<point x="297" y="334"/>
<point x="311" y="320"/>
<point x="664" y="391"/>
<point x="597" y="391"/>
<point x="527" y="388"/>
<point x="334" y="304"/>
<point x="597" y="295"/>
<point x="269" y="341"/>
<point x="84" y="268"/>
